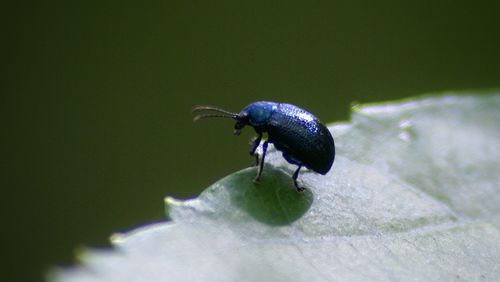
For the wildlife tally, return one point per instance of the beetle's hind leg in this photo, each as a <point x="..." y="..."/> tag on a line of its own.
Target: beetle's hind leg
<point x="261" y="164"/>
<point x="294" y="177"/>
<point x="296" y="173"/>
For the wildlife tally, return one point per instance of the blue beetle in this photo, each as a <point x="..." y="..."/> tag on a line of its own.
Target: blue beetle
<point x="302" y="138"/>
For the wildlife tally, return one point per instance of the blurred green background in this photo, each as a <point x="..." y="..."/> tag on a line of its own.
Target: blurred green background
<point x="96" y="97"/>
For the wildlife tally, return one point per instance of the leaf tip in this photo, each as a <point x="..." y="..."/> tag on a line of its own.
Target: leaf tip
<point x="169" y="202"/>
<point x="116" y="238"/>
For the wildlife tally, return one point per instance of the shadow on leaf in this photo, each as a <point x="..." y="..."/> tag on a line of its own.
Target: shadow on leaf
<point x="274" y="200"/>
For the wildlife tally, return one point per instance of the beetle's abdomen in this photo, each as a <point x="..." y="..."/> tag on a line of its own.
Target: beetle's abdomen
<point x="300" y="134"/>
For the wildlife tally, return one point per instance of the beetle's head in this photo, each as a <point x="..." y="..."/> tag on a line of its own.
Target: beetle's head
<point x="256" y="115"/>
<point x="242" y="119"/>
<point x="213" y="112"/>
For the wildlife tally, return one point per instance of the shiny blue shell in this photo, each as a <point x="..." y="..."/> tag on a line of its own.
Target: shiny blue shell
<point x="302" y="138"/>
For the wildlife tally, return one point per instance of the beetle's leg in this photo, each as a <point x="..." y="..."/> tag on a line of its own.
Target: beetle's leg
<point x="261" y="164"/>
<point x="295" y="175"/>
<point x="255" y="144"/>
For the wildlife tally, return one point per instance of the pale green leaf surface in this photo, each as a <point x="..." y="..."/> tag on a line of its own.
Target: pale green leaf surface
<point x="413" y="195"/>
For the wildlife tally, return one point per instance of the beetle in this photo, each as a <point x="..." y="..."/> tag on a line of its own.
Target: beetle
<point x="297" y="133"/>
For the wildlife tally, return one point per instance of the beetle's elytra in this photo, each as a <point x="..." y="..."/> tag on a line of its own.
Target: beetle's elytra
<point x="302" y="138"/>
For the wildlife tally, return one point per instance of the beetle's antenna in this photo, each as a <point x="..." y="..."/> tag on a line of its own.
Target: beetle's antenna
<point x="219" y="113"/>
<point x="203" y="116"/>
<point x="210" y="108"/>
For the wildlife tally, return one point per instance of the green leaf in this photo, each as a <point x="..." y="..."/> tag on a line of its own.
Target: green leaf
<point x="414" y="194"/>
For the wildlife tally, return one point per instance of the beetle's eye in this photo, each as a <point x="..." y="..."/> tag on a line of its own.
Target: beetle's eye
<point x="239" y="126"/>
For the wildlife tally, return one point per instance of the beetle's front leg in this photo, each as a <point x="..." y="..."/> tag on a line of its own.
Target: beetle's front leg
<point x="253" y="148"/>
<point x="261" y="164"/>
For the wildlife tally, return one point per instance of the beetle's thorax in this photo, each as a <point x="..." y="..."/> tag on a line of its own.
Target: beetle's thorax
<point x="255" y="115"/>
<point x="258" y="113"/>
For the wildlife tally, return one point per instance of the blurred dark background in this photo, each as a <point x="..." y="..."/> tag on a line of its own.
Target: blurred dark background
<point x="96" y="97"/>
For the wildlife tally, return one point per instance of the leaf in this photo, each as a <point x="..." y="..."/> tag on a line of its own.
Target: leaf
<point x="413" y="195"/>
